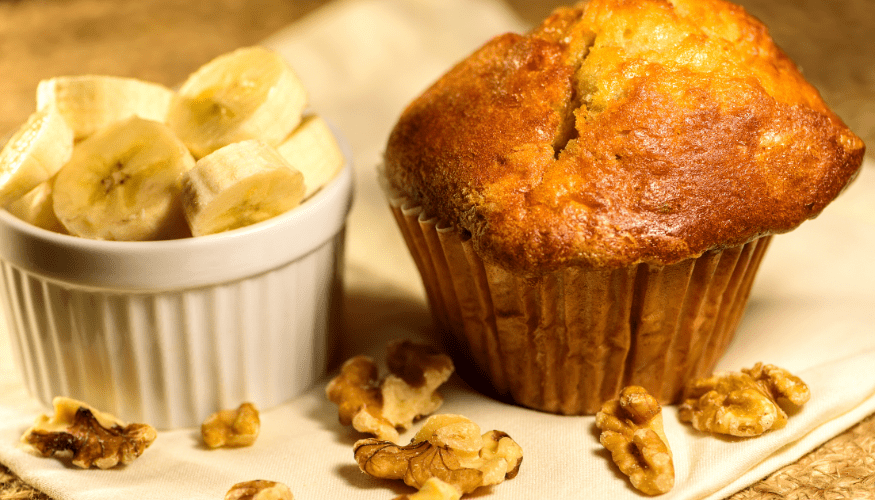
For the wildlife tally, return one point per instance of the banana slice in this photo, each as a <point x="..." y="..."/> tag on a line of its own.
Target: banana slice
<point x="124" y="183"/>
<point x="238" y="185"/>
<point x="250" y="93"/>
<point x="36" y="208"/>
<point x="34" y="153"/>
<point x="92" y="102"/>
<point x="313" y="150"/>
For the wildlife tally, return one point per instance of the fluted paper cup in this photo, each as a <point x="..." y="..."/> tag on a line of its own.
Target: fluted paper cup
<point x="570" y="340"/>
<point x="168" y="332"/>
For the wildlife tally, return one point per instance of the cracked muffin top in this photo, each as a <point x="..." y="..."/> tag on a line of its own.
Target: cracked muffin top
<point x="621" y="132"/>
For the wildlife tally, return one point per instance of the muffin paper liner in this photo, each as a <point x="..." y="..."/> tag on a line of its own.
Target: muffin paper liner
<point x="572" y="339"/>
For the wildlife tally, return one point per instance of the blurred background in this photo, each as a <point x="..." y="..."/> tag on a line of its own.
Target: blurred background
<point x="164" y="40"/>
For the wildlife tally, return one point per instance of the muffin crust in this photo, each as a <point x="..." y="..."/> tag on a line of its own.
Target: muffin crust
<point x="621" y="132"/>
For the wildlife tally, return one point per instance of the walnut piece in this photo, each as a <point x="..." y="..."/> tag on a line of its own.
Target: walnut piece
<point x="259" y="489"/>
<point x="232" y="427"/>
<point x="92" y="437"/>
<point x="448" y="447"/>
<point x="780" y="383"/>
<point x="434" y="489"/>
<point x="409" y="391"/>
<point x="632" y="431"/>
<point x="746" y="403"/>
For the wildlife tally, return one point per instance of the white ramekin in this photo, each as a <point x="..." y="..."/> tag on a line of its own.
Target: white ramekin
<point x="168" y="332"/>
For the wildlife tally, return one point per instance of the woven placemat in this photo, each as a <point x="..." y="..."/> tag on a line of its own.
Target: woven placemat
<point x="843" y="467"/>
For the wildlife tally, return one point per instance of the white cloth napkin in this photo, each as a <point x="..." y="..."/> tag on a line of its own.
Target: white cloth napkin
<point x="811" y="311"/>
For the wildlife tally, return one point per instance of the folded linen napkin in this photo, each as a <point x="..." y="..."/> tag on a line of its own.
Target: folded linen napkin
<point x="363" y="60"/>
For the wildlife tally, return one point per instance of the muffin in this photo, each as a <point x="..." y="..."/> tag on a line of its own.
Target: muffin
<point x="588" y="203"/>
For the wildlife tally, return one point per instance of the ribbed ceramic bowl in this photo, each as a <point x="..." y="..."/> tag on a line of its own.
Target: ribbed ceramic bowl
<point x="168" y="332"/>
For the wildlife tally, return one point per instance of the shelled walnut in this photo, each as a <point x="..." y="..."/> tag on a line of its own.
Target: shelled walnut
<point x="448" y="447"/>
<point x="409" y="391"/>
<point x="632" y="431"/>
<point x="259" y="489"/>
<point x="232" y="427"/>
<point x="780" y="383"/>
<point x="434" y="489"/>
<point x="746" y="403"/>
<point x="92" y="437"/>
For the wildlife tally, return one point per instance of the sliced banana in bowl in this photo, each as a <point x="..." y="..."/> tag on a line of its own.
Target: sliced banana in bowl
<point x="251" y="93"/>
<point x="124" y="183"/>
<point x="37" y="208"/>
<point x="91" y="102"/>
<point x="312" y="149"/>
<point x="175" y="315"/>
<point x="264" y="270"/>
<point x="239" y="185"/>
<point x="241" y="114"/>
<point x="35" y="152"/>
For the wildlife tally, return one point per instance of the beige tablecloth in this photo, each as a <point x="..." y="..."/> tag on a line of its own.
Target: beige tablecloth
<point x="363" y="60"/>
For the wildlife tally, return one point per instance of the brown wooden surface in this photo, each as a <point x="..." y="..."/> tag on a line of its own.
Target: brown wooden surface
<point x="164" y="40"/>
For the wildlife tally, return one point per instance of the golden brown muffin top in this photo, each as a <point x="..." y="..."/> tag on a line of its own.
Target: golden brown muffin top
<point x="619" y="132"/>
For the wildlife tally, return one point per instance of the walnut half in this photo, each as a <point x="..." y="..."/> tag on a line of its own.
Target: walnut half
<point x="632" y="431"/>
<point x="259" y="489"/>
<point x="409" y="391"/>
<point x="448" y="447"/>
<point x="93" y="437"/>
<point x="744" y="404"/>
<point x="232" y="427"/>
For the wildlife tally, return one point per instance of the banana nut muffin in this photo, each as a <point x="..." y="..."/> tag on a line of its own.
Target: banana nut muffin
<point x="588" y="203"/>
